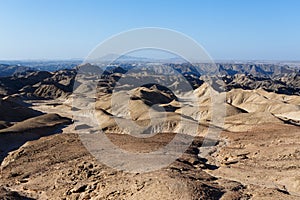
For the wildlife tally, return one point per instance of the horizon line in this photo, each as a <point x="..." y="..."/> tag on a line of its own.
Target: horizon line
<point x="82" y="59"/>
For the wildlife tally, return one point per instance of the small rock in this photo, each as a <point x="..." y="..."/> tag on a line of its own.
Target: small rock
<point x="79" y="189"/>
<point x="231" y="162"/>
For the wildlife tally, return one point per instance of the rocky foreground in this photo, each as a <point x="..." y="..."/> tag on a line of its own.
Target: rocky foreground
<point x="252" y="165"/>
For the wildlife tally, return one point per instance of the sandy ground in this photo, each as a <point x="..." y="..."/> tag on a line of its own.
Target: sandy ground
<point x="266" y="157"/>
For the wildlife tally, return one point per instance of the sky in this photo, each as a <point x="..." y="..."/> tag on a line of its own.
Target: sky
<point x="227" y="29"/>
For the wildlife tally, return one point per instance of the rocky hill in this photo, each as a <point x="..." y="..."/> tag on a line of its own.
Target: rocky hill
<point x="39" y="84"/>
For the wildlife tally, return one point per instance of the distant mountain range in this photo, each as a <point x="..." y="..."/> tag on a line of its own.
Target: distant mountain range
<point x="256" y="69"/>
<point x="259" y="69"/>
<point x="271" y="77"/>
<point x="9" y="70"/>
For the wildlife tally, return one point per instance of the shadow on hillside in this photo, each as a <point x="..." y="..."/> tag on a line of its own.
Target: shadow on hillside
<point x="8" y="194"/>
<point x="10" y="141"/>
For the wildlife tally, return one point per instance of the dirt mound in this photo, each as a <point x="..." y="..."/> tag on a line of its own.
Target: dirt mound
<point x="153" y="94"/>
<point x="263" y="107"/>
<point x="39" y="122"/>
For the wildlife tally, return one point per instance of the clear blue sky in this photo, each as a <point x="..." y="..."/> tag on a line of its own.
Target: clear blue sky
<point x="228" y="29"/>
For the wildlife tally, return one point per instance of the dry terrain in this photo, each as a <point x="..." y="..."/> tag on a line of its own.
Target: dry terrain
<point x="256" y="156"/>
